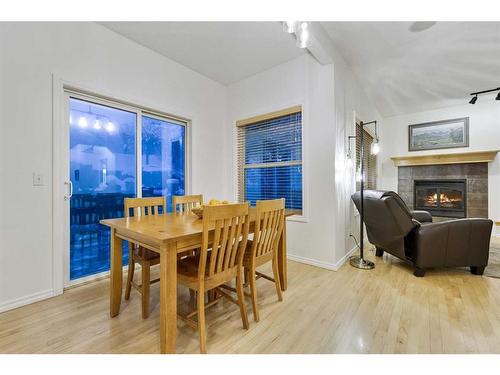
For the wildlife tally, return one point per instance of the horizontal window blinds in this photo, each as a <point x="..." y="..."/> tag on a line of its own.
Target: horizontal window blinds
<point x="270" y="158"/>
<point x="369" y="160"/>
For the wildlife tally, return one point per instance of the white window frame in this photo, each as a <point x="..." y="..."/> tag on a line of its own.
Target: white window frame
<point x="304" y="217"/>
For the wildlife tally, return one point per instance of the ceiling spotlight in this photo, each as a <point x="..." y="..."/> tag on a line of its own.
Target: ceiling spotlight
<point x="82" y="122"/>
<point x="473" y="100"/>
<point x="302" y="35"/>
<point x="110" y="127"/>
<point x="289" y="26"/>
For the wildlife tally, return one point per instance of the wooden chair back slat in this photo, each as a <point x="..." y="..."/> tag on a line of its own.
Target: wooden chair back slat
<point x="185" y="203"/>
<point x="271" y="232"/>
<point x="270" y="219"/>
<point x="231" y="256"/>
<point x="231" y="225"/>
<point x="145" y="206"/>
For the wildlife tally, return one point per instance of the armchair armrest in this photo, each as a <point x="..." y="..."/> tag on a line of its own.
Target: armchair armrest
<point x="453" y="243"/>
<point x="422" y="216"/>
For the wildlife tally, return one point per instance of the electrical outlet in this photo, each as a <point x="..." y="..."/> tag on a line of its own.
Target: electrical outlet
<point x="37" y="179"/>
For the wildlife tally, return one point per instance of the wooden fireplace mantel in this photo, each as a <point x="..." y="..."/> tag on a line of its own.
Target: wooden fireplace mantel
<point x="453" y="158"/>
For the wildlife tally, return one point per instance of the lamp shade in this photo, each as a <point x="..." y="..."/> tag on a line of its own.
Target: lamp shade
<point x="375" y="149"/>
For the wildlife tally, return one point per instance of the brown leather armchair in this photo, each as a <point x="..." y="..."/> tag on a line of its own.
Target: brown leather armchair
<point x="413" y="237"/>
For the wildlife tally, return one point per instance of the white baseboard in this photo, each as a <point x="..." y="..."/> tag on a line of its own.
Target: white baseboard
<point x="26" y="300"/>
<point x="312" y="262"/>
<point x="344" y="259"/>
<point x="321" y="264"/>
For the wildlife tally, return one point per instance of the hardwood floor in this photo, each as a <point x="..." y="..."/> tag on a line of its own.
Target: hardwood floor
<point x="386" y="310"/>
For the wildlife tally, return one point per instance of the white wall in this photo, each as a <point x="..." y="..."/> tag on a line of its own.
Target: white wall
<point x="299" y="81"/>
<point x="90" y="55"/>
<point x="331" y="97"/>
<point x="484" y="129"/>
<point x="351" y="105"/>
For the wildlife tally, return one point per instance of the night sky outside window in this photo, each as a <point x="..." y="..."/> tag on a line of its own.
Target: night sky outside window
<point x="270" y="158"/>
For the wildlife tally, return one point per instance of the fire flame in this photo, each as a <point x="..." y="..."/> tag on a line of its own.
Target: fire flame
<point x="443" y="198"/>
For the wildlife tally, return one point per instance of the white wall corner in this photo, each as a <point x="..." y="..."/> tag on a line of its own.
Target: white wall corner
<point x="344" y="259"/>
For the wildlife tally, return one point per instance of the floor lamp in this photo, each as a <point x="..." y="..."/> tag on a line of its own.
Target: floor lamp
<point x="359" y="261"/>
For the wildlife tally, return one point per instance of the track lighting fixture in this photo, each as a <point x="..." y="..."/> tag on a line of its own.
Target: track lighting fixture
<point x="289" y="27"/>
<point x="475" y="94"/>
<point x="301" y="31"/>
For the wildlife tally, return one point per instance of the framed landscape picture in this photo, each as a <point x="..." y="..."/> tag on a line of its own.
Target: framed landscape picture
<point x="439" y="134"/>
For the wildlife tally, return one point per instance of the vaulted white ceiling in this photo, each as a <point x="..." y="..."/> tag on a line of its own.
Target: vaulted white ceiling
<point x="404" y="71"/>
<point x="224" y="51"/>
<point x="403" y="67"/>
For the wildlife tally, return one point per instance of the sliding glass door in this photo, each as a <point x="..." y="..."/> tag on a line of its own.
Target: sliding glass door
<point x="107" y="163"/>
<point x="163" y="150"/>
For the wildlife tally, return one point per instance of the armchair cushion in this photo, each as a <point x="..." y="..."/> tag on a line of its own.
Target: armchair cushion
<point x="453" y="243"/>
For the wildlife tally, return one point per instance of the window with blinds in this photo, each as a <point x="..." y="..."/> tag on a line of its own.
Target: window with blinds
<point x="369" y="160"/>
<point x="270" y="158"/>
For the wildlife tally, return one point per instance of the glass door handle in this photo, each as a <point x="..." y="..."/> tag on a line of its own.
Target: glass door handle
<point x="70" y="187"/>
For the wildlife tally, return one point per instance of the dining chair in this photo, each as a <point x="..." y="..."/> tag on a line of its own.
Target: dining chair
<point x="138" y="254"/>
<point x="225" y="232"/>
<point x="269" y="223"/>
<point x="185" y="203"/>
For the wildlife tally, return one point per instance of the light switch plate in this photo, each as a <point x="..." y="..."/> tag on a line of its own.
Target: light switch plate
<point x="37" y="179"/>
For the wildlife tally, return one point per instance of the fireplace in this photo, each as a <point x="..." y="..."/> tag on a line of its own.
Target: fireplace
<point x="446" y="198"/>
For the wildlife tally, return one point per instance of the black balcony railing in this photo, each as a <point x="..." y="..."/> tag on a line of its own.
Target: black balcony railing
<point x="89" y="240"/>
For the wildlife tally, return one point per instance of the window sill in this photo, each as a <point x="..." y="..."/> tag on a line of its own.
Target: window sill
<point x="298" y="218"/>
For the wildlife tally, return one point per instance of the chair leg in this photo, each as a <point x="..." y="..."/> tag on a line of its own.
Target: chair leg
<point x="201" y="320"/>
<point x="379" y="252"/>
<point x="477" y="270"/>
<point x="130" y="275"/>
<point x="253" y="292"/>
<point x="211" y="295"/>
<point x="247" y="276"/>
<point x="146" y="285"/>
<point x="241" y="300"/>
<point x="277" y="279"/>
<point x="419" y="272"/>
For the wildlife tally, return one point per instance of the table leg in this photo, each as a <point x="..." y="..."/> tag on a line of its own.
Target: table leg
<point x="282" y="259"/>
<point x="116" y="271"/>
<point x="168" y="297"/>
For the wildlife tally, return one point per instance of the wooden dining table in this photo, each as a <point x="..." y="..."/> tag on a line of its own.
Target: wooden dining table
<point x="168" y="235"/>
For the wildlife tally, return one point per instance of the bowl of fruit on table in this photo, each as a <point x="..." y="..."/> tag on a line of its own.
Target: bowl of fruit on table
<point x="198" y="211"/>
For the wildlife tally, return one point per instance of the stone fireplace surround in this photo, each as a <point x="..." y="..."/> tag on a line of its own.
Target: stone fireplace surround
<point x="476" y="175"/>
